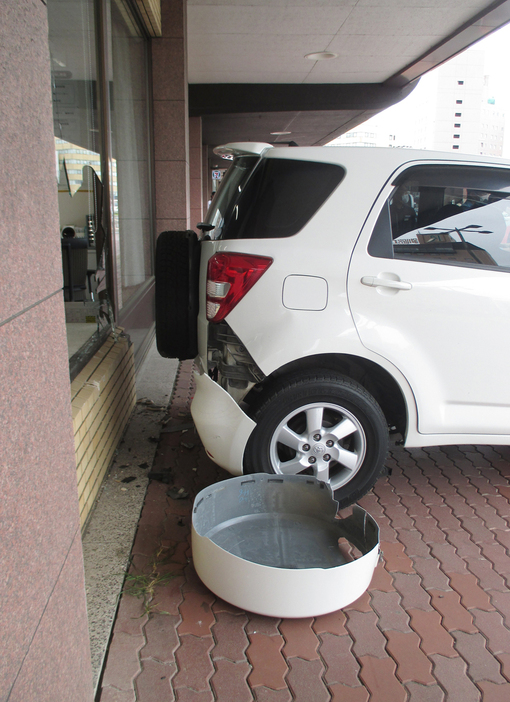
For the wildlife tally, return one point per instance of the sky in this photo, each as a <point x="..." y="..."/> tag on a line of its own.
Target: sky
<point x="497" y="66"/>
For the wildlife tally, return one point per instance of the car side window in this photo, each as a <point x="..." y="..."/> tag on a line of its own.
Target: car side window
<point x="456" y="215"/>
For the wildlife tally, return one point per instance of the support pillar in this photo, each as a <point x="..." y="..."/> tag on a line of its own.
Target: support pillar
<point x="195" y="161"/>
<point x="171" y="123"/>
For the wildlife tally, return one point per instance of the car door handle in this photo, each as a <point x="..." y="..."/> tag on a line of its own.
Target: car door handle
<point x="374" y="282"/>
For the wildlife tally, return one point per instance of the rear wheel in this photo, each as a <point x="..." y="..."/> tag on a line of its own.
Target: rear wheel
<point x="326" y="425"/>
<point x="177" y="269"/>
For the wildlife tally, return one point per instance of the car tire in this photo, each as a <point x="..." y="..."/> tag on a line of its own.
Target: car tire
<point x="177" y="269"/>
<point x="298" y="412"/>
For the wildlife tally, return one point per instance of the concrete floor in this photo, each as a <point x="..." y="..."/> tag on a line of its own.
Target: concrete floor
<point x="109" y="534"/>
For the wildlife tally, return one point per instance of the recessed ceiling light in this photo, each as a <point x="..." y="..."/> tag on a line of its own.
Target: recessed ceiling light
<point x="279" y="133"/>
<point x="321" y="56"/>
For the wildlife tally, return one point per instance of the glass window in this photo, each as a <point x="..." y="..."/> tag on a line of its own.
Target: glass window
<point x="77" y="133"/>
<point x="451" y="215"/>
<point x="280" y="198"/>
<point x="130" y="167"/>
<point x="228" y="192"/>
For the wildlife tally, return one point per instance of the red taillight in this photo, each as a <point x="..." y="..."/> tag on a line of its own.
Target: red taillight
<point x="229" y="277"/>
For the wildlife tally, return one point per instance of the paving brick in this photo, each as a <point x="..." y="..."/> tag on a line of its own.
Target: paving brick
<point x="491" y="625"/>
<point x="471" y="594"/>
<point x="478" y="530"/>
<point x="434" y="637"/>
<point x="454" y="615"/>
<point x="257" y="624"/>
<point x="420" y="693"/>
<point x="341" y="665"/>
<point x="501" y="601"/>
<point x="131" y="617"/>
<point x="487" y="576"/>
<point x="463" y="544"/>
<point x="413" y="543"/>
<point x="429" y="529"/>
<point x="447" y="556"/>
<point x="430" y="573"/>
<point x="220" y="605"/>
<point x="111" y="694"/>
<point x="187" y="695"/>
<point x="196" y="613"/>
<point x="481" y="664"/>
<point x="504" y="659"/>
<point x="398" y="516"/>
<point x="362" y="604"/>
<point x="264" y="694"/>
<point x="411" y="590"/>
<point x="154" y="682"/>
<point x="269" y="666"/>
<point x="386" y="532"/>
<point x="395" y="558"/>
<point x="343" y="693"/>
<point x="445" y="517"/>
<point x="499" y="558"/>
<point x="161" y="636"/>
<point x="147" y="540"/>
<point x="229" y="681"/>
<point x="300" y="640"/>
<point x="123" y="663"/>
<point x="415" y="506"/>
<point x="412" y="663"/>
<point x="368" y="639"/>
<point x="333" y="623"/>
<point x="305" y="681"/>
<point x="488" y="513"/>
<point x="492" y="692"/>
<point x="378" y="675"/>
<point x="167" y="597"/>
<point x="451" y="674"/>
<point x="391" y="614"/>
<point x="458" y="505"/>
<point x="230" y="636"/>
<point x="194" y="663"/>
<point x="500" y="503"/>
<point x="503" y="536"/>
<point x="429" y="495"/>
<point x="381" y="580"/>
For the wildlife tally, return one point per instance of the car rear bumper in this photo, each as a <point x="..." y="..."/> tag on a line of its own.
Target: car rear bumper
<point x="222" y="425"/>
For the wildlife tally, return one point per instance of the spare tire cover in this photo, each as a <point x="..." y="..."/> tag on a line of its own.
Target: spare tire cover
<point x="177" y="269"/>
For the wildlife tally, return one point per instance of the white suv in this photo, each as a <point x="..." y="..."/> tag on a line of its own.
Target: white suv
<point x="340" y="298"/>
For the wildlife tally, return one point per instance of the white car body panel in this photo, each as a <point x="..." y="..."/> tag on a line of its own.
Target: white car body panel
<point x="447" y="400"/>
<point x="224" y="431"/>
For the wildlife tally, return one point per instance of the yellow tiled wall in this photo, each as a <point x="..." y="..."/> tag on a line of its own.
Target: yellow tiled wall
<point x="103" y="397"/>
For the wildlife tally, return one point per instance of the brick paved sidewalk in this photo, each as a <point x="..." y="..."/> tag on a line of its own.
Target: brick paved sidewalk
<point x="434" y="624"/>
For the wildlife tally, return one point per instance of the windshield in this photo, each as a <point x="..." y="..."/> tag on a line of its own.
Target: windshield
<point x="226" y="196"/>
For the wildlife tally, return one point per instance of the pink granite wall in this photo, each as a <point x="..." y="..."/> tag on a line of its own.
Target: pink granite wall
<point x="44" y="647"/>
<point x="171" y="124"/>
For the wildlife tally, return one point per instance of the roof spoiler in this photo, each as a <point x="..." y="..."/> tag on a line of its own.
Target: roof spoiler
<point x="241" y="148"/>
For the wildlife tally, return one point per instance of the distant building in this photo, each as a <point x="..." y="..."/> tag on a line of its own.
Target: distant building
<point x="452" y="109"/>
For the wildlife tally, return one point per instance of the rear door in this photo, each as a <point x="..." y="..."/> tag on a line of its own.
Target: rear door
<point x="429" y="289"/>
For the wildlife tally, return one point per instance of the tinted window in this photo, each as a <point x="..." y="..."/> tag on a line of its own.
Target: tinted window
<point x="459" y="216"/>
<point x="280" y="198"/>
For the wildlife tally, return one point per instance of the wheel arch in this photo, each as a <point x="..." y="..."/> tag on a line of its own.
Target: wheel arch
<point x="373" y="377"/>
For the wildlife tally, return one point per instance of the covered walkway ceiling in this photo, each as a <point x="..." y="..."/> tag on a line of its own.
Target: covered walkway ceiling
<point x="248" y="75"/>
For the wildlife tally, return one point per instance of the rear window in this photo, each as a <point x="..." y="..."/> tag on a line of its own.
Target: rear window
<point x="280" y="198"/>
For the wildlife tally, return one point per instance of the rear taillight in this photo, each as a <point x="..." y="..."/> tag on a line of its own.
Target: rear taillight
<point x="229" y="277"/>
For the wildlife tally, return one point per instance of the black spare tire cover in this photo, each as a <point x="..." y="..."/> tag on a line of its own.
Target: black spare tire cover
<point x="177" y="268"/>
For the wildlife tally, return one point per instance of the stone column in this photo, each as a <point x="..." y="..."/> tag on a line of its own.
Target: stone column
<point x="44" y="650"/>
<point x="195" y="161"/>
<point x="171" y="123"/>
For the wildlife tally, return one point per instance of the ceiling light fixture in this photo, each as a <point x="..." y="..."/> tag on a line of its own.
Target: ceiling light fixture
<point x="321" y="56"/>
<point x="279" y="133"/>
